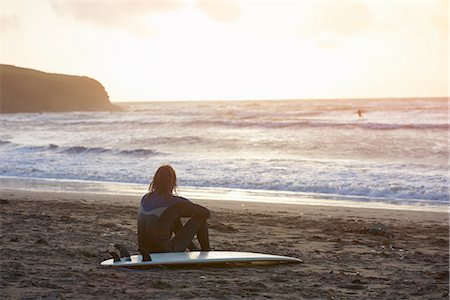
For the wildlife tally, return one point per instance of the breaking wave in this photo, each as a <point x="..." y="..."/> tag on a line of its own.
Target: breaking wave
<point x="76" y="150"/>
<point x="314" y="124"/>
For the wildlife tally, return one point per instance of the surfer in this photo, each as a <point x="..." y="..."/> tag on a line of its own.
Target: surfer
<point x="360" y="114"/>
<point x="160" y="214"/>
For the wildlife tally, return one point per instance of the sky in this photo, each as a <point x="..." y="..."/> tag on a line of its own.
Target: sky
<point x="232" y="50"/>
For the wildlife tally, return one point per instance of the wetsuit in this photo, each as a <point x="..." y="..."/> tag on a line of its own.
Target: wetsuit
<point x="159" y="217"/>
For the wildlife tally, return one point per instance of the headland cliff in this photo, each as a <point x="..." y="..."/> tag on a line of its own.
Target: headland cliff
<point x="28" y="90"/>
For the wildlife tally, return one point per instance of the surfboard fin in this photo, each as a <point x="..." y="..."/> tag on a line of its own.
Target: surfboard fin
<point x="115" y="256"/>
<point x="145" y="254"/>
<point x="123" y="252"/>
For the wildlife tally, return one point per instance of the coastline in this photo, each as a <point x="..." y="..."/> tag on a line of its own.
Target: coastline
<point x="216" y="194"/>
<point x="52" y="244"/>
<point x="132" y="201"/>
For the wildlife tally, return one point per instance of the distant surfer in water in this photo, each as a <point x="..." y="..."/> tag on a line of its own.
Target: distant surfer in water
<point x="160" y="214"/>
<point x="360" y="114"/>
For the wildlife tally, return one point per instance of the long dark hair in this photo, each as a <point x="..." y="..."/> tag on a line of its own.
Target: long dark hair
<point x="164" y="181"/>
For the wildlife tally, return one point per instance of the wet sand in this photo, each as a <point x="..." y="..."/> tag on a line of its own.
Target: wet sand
<point x="52" y="244"/>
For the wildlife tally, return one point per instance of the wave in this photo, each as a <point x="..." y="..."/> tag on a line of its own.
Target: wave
<point x="138" y="152"/>
<point x="381" y="126"/>
<point x="313" y="124"/>
<point x="75" y="150"/>
<point x="65" y="122"/>
<point x="80" y="149"/>
<point x="101" y="150"/>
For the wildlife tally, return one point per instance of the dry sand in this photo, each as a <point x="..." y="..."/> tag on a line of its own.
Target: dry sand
<point x="52" y="244"/>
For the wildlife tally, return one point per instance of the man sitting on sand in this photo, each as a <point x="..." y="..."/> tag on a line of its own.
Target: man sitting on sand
<point x="159" y="216"/>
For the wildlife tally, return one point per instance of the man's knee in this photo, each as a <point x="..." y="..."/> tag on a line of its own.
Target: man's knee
<point x="199" y="219"/>
<point x="204" y="213"/>
<point x="207" y="214"/>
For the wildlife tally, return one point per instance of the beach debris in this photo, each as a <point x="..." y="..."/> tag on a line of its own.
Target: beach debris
<point x="160" y="284"/>
<point x="444" y="275"/>
<point x="41" y="241"/>
<point x="66" y="219"/>
<point x="221" y="227"/>
<point x="14" y="238"/>
<point x="316" y="238"/>
<point x="378" y="229"/>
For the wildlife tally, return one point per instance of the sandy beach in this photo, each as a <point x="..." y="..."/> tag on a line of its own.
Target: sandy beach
<point x="52" y="244"/>
<point x="317" y="130"/>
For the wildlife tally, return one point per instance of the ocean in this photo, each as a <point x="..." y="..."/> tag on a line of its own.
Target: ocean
<point x="395" y="152"/>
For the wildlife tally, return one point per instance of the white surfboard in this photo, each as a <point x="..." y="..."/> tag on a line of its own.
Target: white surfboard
<point x="199" y="258"/>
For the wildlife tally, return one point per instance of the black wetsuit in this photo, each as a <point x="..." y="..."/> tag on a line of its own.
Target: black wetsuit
<point x="159" y="217"/>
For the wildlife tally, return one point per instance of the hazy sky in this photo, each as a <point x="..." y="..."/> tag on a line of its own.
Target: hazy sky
<point x="161" y="50"/>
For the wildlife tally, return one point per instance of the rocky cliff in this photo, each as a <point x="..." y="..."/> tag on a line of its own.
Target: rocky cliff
<point x="27" y="90"/>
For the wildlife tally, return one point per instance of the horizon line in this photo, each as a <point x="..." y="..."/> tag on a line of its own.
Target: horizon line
<point x="278" y="99"/>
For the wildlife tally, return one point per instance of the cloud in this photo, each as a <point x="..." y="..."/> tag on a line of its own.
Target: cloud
<point x="129" y="15"/>
<point x="10" y="23"/>
<point x="330" y="24"/>
<point x="345" y="19"/>
<point x="221" y="11"/>
<point x="416" y="15"/>
<point x="116" y="14"/>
